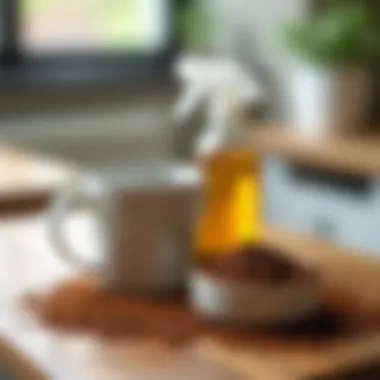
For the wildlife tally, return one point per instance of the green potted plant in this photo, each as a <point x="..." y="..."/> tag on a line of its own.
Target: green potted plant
<point x="331" y="82"/>
<point x="193" y="29"/>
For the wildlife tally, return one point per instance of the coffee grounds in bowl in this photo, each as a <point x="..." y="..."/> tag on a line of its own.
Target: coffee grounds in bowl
<point x="258" y="263"/>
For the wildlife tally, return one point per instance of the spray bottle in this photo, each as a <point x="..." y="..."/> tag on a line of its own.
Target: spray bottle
<point x="230" y="213"/>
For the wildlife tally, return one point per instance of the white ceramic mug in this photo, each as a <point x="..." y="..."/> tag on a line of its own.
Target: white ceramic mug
<point x="146" y="219"/>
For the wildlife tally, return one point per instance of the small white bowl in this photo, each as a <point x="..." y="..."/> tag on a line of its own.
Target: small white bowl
<point x="224" y="300"/>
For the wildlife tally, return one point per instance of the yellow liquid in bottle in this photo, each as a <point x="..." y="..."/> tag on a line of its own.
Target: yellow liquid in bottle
<point x="230" y="214"/>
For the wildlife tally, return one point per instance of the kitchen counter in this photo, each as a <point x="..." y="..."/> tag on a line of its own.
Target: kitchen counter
<point x="27" y="181"/>
<point x="32" y="351"/>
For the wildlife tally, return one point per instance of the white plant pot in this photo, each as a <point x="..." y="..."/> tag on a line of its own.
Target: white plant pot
<point x="325" y="101"/>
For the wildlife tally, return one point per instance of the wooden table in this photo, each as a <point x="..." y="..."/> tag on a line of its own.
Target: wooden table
<point x="32" y="351"/>
<point x="27" y="181"/>
<point x="351" y="152"/>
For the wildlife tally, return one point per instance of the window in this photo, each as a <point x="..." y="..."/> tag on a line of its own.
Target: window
<point x="93" y="25"/>
<point x="106" y="37"/>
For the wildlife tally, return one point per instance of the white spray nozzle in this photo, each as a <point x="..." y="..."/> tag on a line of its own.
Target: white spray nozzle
<point x="225" y="86"/>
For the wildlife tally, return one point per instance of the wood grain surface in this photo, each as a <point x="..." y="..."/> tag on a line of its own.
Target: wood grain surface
<point x="28" y="263"/>
<point x="353" y="153"/>
<point x="28" y="181"/>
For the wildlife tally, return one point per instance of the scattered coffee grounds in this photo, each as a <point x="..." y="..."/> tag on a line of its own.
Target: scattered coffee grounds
<point x="80" y="306"/>
<point x="258" y="263"/>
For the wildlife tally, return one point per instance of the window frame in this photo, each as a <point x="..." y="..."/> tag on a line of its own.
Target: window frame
<point x="71" y="68"/>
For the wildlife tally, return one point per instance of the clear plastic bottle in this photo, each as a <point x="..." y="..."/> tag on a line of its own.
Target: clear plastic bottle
<point x="230" y="212"/>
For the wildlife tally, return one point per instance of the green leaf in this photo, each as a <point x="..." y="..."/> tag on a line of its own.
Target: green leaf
<point x="344" y="34"/>
<point x="193" y="26"/>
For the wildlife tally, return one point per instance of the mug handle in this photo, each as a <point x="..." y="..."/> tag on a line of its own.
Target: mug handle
<point x="80" y="194"/>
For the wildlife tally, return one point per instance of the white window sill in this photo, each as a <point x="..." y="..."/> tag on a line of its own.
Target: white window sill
<point x="99" y="136"/>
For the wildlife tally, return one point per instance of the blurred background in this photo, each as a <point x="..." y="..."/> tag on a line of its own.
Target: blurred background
<point x="91" y="82"/>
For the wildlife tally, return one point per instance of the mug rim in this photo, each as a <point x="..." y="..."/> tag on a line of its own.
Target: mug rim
<point x="149" y="177"/>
